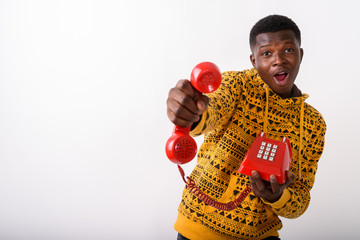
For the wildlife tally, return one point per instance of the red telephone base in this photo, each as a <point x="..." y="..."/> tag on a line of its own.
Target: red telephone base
<point x="268" y="157"/>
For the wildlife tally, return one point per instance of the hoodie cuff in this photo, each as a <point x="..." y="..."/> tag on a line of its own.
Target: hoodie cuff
<point x="200" y="126"/>
<point x="285" y="197"/>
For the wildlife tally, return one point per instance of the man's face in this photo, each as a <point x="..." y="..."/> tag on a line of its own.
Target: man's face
<point x="277" y="57"/>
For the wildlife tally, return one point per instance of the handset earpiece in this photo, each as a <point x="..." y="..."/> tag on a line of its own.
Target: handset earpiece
<point x="181" y="148"/>
<point x="206" y="77"/>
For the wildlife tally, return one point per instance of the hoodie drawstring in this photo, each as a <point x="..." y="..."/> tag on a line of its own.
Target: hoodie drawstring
<point x="266" y="110"/>
<point x="301" y="134"/>
<point x="266" y="123"/>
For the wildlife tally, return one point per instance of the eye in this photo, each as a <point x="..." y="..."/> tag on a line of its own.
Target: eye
<point x="267" y="53"/>
<point x="289" y="50"/>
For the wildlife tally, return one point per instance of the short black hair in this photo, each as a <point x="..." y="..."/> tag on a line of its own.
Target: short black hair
<point x="273" y="23"/>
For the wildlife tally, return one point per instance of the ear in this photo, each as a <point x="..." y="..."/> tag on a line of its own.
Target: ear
<point x="301" y="54"/>
<point x="252" y="59"/>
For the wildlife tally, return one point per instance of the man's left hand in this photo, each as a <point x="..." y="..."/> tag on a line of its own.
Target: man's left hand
<point x="269" y="191"/>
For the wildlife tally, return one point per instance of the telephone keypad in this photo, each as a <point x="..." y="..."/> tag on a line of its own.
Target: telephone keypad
<point x="267" y="151"/>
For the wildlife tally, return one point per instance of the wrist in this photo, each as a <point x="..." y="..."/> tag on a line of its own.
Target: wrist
<point x="284" y="198"/>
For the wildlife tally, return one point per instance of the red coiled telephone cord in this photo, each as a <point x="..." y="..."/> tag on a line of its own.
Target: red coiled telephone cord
<point x="208" y="200"/>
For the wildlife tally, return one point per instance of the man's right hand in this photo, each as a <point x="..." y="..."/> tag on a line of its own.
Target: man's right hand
<point x="185" y="104"/>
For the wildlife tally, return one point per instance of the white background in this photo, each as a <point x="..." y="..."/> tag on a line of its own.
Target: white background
<point x="83" y="86"/>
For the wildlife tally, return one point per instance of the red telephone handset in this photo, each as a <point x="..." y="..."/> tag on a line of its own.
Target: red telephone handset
<point x="181" y="148"/>
<point x="268" y="157"/>
<point x="265" y="155"/>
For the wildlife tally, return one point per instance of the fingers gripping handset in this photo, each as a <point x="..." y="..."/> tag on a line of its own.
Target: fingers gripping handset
<point x="181" y="148"/>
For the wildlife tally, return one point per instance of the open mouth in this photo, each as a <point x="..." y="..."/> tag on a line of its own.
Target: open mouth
<point x="281" y="78"/>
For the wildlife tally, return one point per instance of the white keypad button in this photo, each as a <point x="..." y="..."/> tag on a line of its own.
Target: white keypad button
<point x="267" y="151"/>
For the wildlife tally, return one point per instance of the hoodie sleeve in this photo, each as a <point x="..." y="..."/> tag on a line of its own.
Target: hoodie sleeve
<point x="222" y="103"/>
<point x="296" y="197"/>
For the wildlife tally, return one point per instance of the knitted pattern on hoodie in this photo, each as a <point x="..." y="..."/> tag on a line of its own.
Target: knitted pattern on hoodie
<point x="239" y="110"/>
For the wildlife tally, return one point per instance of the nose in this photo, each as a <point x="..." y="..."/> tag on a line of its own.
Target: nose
<point x="279" y="59"/>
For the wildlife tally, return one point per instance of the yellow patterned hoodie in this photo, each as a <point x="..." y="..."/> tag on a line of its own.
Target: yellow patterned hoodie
<point x="238" y="111"/>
